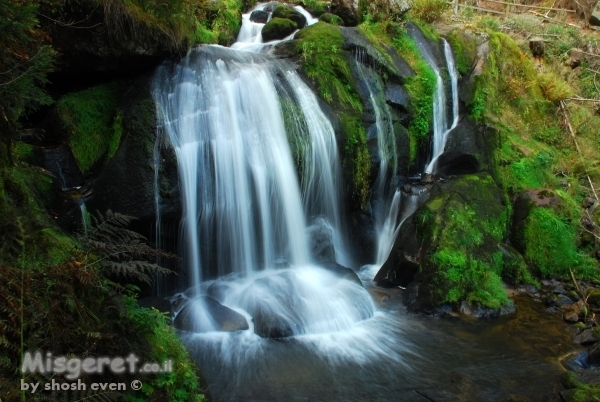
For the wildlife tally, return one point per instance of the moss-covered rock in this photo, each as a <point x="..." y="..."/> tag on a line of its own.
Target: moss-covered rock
<point x="287" y="12"/>
<point x="278" y="28"/>
<point x="459" y="230"/>
<point x="331" y="19"/>
<point x="545" y="229"/>
<point x="91" y="123"/>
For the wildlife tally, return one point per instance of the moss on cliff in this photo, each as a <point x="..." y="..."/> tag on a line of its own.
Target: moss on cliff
<point x="326" y="64"/>
<point x="92" y="122"/>
<point x="420" y="87"/>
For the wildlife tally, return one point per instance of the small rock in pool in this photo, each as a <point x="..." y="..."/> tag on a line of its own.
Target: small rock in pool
<point x="571" y="316"/>
<point x="587" y="337"/>
<point x="563" y="300"/>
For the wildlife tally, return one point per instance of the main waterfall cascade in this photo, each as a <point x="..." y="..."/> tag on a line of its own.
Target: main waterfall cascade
<point x="245" y="212"/>
<point x="260" y="177"/>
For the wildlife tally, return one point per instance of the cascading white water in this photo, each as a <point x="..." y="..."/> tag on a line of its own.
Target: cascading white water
<point x="244" y="209"/>
<point x="388" y="225"/>
<point x="84" y="217"/>
<point x="441" y="129"/>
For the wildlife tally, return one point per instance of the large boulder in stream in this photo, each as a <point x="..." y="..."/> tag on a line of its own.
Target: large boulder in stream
<point x="297" y="301"/>
<point x="205" y="313"/>
<point x="278" y="28"/>
<point x="454" y="240"/>
<point x="341" y="271"/>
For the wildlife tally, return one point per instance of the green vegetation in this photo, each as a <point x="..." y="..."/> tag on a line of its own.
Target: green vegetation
<point x="428" y="10"/>
<point x="25" y="59"/>
<point x="278" y="28"/>
<point x="551" y="246"/>
<point x="181" y="385"/>
<point x="465" y="227"/>
<point x="581" y="392"/>
<point x="93" y="123"/>
<point x="321" y="46"/>
<point x="465" y="50"/>
<point x="331" y="19"/>
<point x="325" y="63"/>
<point x="420" y="87"/>
<point x="52" y="291"/>
<point x="357" y="159"/>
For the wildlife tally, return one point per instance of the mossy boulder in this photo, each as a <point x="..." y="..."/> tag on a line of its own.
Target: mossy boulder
<point x="126" y="183"/>
<point x="457" y="233"/>
<point x="331" y="19"/>
<point x="289" y="13"/>
<point x="90" y="122"/>
<point x="278" y="28"/>
<point x="545" y="230"/>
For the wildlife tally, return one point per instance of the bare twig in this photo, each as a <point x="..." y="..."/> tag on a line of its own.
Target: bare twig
<point x="578" y="99"/>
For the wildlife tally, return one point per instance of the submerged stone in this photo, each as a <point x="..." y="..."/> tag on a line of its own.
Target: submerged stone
<point x="223" y="318"/>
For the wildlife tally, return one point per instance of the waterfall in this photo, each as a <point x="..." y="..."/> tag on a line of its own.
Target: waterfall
<point x="441" y="129"/>
<point x="388" y="225"/>
<point x="84" y="217"/>
<point x="231" y="116"/>
<point x="386" y="199"/>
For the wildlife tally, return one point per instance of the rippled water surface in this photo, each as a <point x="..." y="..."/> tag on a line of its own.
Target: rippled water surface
<point x="394" y="356"/>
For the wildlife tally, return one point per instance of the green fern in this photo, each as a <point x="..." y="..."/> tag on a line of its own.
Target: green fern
<point x="123" y="252"/>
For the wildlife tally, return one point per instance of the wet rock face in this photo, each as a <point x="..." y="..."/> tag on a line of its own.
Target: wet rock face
<point x="259" y="16"/>
<point x="320" y="236"/>
<point x="224" y="318"/>
<point x="469" y="149"/>
<point x="346" y="11"/>
<point x="341" y="271"/>
<point x="107" y="47"/>
<point x="126" y="184"/>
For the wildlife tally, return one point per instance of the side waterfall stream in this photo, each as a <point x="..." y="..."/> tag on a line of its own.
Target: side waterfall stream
<point x="242" y="123"/>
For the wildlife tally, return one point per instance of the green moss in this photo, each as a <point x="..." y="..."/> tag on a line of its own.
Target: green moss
<point x="316" y="6"/>
<point x="551" y="246"/>
<point x="91" y="119"/>
<point x="421" y="87"/>
<point x="465" y="50"/>
<point x="465" y="227"/>
<point x="331" y="19"/>
<point x="357" y="160"/>
<point x="324" y="62"/>
<point x="278" y="28"/>
<point x="22" y="152"/>
<point x="581" y="392"/>
<point x="226" y="25"/>
<point x="295" y="128"/>
<point x="181" y="384"/>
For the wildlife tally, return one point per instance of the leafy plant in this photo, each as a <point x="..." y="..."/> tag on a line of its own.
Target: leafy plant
<point x="121" y="251"/>
<point x="428" y="10"/>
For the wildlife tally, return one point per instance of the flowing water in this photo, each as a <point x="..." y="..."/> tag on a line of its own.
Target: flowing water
<point x="242" y="125"/>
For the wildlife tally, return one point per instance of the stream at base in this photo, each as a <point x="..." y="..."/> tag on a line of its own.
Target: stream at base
<point x="413" y="358"/>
